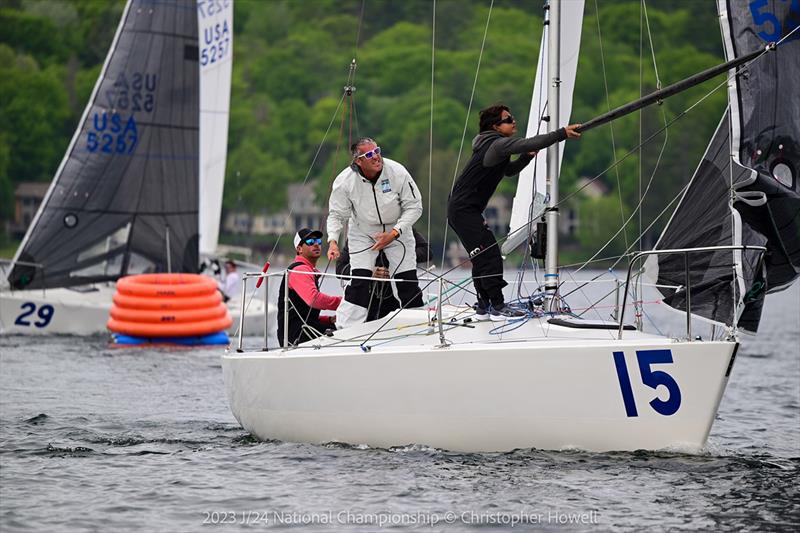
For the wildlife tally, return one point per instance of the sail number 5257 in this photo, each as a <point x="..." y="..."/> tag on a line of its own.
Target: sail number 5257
<point x="651" y="378"/>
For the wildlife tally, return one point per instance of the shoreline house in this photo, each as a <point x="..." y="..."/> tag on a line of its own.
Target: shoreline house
<point x="302" y="211"/>
<point x="28" y="196"/>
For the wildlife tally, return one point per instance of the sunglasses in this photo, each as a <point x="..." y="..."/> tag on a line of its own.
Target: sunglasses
<point x="371" y="153"/>
<point x="508" y="120"/>
<point x="312" y="241"/>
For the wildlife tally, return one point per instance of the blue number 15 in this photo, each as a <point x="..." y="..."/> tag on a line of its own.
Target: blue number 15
<point x="651" y="378"/>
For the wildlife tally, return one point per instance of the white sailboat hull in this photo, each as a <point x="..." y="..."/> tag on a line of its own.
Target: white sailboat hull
<point x="68" y="312"/>
<point x="548" y="393"/>
<point x="55" y="312"/>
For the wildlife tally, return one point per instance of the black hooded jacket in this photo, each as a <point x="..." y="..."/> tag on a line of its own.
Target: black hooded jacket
<point x="491" y="160"/>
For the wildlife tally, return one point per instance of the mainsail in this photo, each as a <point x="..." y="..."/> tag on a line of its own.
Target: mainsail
<point x="529" y="200"/>
<point x="127" y="188"/>
<point x="216" y="63"/>
<point x="746" y="190"/>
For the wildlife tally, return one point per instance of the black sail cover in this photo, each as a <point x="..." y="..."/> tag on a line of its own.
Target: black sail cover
<point x="746" y="189"/>
<point x="128" y="184"/>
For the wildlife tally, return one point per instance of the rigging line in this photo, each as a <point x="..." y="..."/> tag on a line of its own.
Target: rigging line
<point x="652" y="48"/>
<point x="542" y="105"/>
<point x="430" y="134"/>
<point x="308" y="172"/>
<point x="627" y="251"/>
<point x="592" y="306"/>
<point x="745" y="63"/>
<point x="466" y="119"/>
<point x="641" y="111"/>
<point x="608" y="108"/>
<point x="638" y="209"/>
<point x="677" y="117"/>
<point x="313" y="301"/>
<point x="658" y="87"/>
<point x="358" y="31"/>
<point x="348" y="89"/>
<point x="633" y="150"/>
<point x="641" y="115"/>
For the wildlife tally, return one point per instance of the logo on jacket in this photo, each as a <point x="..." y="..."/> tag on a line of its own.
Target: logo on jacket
<point x="385" y="187"/>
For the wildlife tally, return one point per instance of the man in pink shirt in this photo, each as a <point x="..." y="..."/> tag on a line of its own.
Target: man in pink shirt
<point x="305" y="299"/>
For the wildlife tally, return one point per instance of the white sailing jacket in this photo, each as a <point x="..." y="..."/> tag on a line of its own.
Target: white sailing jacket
<point x="393" y="201"/>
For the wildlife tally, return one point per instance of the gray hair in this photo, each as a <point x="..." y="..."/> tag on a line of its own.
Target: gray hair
<point x="354" y="151"/>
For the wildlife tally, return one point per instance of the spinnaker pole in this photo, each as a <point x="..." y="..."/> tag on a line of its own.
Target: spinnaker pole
<point x="671" y="90"/>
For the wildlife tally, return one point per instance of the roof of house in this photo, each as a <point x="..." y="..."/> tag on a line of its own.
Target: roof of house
<point x="35" y="189"/>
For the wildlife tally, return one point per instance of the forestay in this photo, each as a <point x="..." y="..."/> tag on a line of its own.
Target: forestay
<point x="746" y="189"/>
<point x="529" y="200"/>
<point x="127" y="185"/>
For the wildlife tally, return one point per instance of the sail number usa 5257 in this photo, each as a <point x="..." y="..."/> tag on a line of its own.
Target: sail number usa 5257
<point x="651" y="378"/>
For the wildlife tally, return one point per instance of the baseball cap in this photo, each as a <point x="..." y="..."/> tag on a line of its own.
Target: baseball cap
<point x="306" y="233"/>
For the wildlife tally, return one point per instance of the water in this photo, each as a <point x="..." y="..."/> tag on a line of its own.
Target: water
<point x="101" y="438"/>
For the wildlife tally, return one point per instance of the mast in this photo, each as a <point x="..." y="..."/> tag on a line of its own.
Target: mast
<point x="551" y="213"/>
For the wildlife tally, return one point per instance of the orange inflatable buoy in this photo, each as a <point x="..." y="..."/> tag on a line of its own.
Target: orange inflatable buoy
<point x="168" y="305"/>
<point x="160" y="285"/>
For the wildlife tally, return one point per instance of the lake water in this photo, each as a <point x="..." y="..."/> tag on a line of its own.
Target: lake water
<point x="99" y="438"/>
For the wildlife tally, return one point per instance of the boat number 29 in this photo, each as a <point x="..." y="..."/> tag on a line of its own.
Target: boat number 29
<point x="651" y="378"/>
<point x="41" y="319"/>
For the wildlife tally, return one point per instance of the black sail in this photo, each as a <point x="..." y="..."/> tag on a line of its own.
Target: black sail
<point x="746" y="189"/>
<point x="128" y="184"/>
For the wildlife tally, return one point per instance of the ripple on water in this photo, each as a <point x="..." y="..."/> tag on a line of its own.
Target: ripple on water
<point x="144" y="439"/>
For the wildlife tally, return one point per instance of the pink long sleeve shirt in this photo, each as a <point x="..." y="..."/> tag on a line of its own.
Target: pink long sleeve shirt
<point x="306" y="287"/>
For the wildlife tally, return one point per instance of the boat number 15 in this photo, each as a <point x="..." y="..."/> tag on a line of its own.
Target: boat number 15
<point x="45" y="315"/>
<point x="651" y="378"/>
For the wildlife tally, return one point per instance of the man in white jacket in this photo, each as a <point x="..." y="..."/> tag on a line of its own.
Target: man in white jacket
<point x="379" y="201"/>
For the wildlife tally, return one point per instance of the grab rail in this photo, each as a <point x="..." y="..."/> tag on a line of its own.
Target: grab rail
<point x="636" y="258"/>
<point x="688" y="285"/>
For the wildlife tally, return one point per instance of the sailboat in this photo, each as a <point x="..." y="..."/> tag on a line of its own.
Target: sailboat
<point x="552" y="380"/>
<point x="140" y="186"/>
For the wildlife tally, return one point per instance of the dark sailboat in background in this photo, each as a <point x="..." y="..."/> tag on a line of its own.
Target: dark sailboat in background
<point x="140" y="186"/>
<point x="125" y="197"/>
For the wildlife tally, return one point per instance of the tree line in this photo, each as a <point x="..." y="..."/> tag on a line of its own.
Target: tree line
<point x="292" y="60"/>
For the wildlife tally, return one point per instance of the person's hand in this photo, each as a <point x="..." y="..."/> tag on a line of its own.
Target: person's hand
<point x="532" y="154"/>
<point x="333" y="251"/>
<point x="382" y="240"/>
<point x="572" y="131"/>
<point x="381" y="272"/>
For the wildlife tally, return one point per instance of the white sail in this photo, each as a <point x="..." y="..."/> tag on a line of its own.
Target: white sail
<point x="529" y="201"/>
<point x="215" y="32"/>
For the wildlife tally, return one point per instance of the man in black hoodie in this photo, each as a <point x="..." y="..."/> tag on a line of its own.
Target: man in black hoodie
<point x="491" y="160"/>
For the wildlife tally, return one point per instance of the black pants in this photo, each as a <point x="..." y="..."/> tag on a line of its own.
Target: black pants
<point x="360" y="291"/>
<point x="483" y="251"/>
